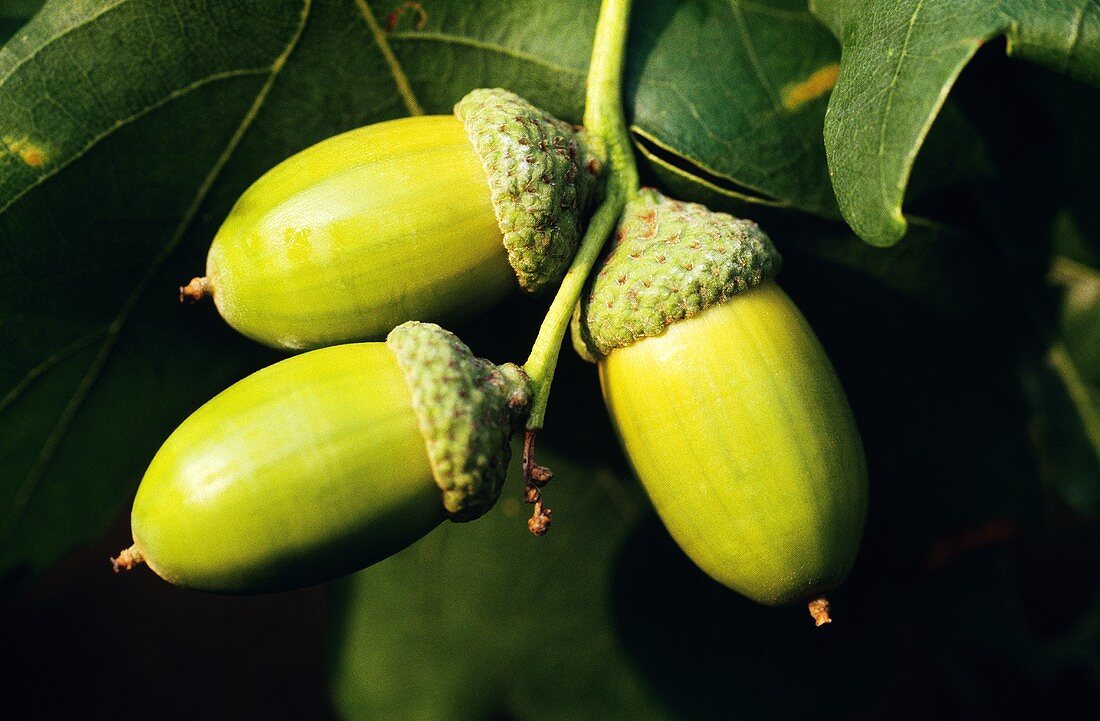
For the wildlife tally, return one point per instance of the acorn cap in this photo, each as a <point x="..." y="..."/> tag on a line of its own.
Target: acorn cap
<point x="670" y="260"/>
<point x="467" y="409"/>
<point x="542" y="173"/>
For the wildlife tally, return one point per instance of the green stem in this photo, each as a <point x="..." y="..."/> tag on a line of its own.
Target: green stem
<point x="604" y="120"/>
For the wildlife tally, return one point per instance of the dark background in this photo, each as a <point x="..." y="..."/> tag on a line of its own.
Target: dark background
<point x="977" y="592"/>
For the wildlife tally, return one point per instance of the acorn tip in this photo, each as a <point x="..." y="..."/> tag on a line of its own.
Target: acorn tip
<point x="195" y="290"/>
<point x="819" y="611"/>
<point x="127" y="559"/>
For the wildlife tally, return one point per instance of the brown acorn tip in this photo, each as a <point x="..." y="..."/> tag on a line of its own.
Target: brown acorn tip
<point x="127" y="559"/>
<point x="194" y="291"/>
<point x="539" y="522"/>
<point x="819" y="610"/>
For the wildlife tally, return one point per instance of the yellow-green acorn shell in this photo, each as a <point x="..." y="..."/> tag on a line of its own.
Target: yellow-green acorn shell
<point x="725" y="402"/>
<point x="425" y="218"/>
<point x="328" y="462"/>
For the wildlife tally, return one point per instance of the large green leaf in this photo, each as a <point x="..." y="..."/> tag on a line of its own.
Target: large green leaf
<point x="128" y="127"/>
<point x="900" y="59"/>
<point x="729" y="95"/>
<point x="483" y="620"/>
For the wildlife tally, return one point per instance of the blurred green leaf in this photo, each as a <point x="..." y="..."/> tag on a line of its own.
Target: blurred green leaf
<point x="1079" y="281"/>
<point x="900" y="59"/>
<point x="483" y="620"/>
<point x="937" y="268"/>
<point x="1040" y="209"/>
<point x="926" y="339"/>
<point x="1065" y="390"/>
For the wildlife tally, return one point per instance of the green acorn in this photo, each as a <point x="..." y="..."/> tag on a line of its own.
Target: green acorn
<point x="326" y="463"/>
<point x="430" y="218"/>
<point x="725" y="402"/>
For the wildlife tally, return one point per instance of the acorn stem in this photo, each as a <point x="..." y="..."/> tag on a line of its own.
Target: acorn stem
<point x="127" y="559"/>
<point x="603" y="106"/>
<point x="543" y="360"/>
<point x="819" y="610"/>
<point x="535" y="477"/>
<point x="604" y="119"/>
<point x="194" y="291"/>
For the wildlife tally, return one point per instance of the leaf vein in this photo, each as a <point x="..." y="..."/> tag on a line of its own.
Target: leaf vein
<point x="754" y="57"/>
<point x="39" y="370"/>
<point x="763" y="9"/>
<point x="890" y="92"/>
<point x="123" y="122"/>
<point x="404" y="88"/>
<point x="489" y="47"/>
<point x="58" y="36"/>
<point x="758" y="68"/>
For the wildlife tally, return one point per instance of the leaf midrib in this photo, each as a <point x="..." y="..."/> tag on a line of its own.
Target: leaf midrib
<point x="58" y="36"/>
<point x="400" y="78"/>
<point x="891" y="91"/>
<point x="765" y="82"/>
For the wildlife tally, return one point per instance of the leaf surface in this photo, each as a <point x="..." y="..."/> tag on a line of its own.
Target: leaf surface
<point x="486" y="621"/>
<point x="900" y="59"/>
<point x="128" y="127"/>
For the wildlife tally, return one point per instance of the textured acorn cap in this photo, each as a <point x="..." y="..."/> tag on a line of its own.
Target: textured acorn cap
<point x="542" y="173"/>
<point x="467" y="409"/>
<point x="670" y="260"/>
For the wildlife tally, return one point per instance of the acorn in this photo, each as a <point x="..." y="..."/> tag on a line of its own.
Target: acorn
<point x="725" y="402"/>
<point x="420" y="218"/>
<point x="327" y="462"/>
